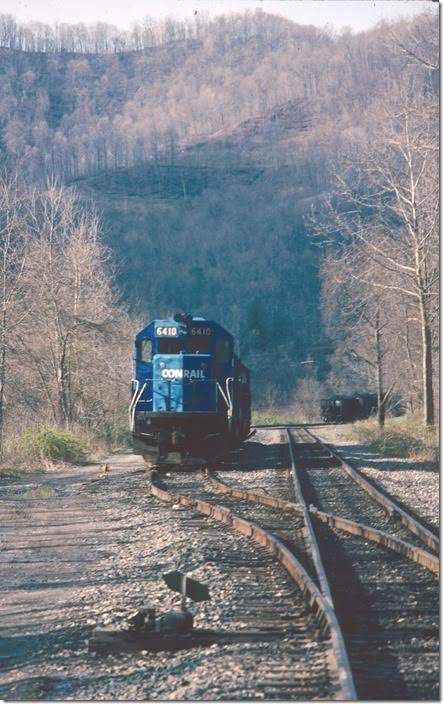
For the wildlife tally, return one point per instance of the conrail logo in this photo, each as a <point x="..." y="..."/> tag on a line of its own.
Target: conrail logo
<point x="183" y="374"/>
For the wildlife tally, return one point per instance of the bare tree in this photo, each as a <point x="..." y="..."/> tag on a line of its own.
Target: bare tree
<point x="12" y="263"/>
<point x="360" y="317"/>
<point x="388" y="212"/>
<point x="306" y="403"/>
<point x="420" y="42"/>
<point x="69" y="297"/>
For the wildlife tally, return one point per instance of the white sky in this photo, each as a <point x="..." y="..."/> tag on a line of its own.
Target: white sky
<point x="358" y="14"/>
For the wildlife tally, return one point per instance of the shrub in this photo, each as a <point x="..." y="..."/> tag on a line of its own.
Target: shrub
<point x="53" y="444"/>
<point x="41" y="492"/>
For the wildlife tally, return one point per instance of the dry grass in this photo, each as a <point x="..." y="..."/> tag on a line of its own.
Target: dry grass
<point x="403" y="437"/>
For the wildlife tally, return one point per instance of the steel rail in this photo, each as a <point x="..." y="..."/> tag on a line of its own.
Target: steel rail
<point x="254" y="497"/>
<point x="359" y="530"/>
<point x="284" y="426"/>
<point x="391" y="508"/>
<point x="345" y="669"/>
<point x="320" y="605"/>
<point x="313" y="545"/>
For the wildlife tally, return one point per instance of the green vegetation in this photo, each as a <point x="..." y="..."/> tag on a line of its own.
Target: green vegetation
<point x="401" y="437"/>
<point x="41" y="492"/>
<point x="272" y="417"/>
<point x="11" y="472"/>
<point x="53" y="444"/>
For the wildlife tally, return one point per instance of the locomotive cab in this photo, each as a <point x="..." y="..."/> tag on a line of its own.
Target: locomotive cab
<point x="190" y="392"/>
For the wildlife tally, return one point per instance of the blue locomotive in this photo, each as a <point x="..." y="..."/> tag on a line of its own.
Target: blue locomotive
<point x="190" y="392"/>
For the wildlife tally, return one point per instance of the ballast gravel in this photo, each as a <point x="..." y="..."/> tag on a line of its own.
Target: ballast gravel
<point x="416" y="485"/>
<point x="82" y="549"/>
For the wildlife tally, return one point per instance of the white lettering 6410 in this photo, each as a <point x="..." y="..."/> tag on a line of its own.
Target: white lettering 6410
<point x="166" y="331"/>
<point x="201" y="331"/>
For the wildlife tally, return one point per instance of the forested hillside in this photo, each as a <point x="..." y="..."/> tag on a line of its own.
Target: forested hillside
<point x="79" y="112"/>
<point x="208" y="147"/>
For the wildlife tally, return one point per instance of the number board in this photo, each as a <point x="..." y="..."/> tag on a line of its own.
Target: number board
<point x="166" y="331"/>
<point x="200" y="331"/>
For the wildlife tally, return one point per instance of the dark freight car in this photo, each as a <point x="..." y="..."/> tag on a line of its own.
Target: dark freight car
<point x="346" y="409"/>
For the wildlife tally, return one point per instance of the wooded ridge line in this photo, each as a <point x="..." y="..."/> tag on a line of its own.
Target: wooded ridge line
<point x="279" y="178"/>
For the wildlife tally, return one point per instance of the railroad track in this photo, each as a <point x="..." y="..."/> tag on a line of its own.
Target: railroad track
<point x="346" y="490"/>
<point x="377" y="579"/>
<point x="385" y="600"/>
<point x="277" y="528"/>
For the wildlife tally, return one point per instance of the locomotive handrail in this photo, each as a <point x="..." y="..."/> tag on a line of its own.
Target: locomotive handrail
<point x="228" y="394"/>
<point x="134" y="406"/>
<point x="137" y="385"/>
<point x="225" y="398"/>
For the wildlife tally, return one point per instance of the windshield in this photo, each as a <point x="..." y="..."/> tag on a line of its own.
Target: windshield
<point x="174" y="346"/>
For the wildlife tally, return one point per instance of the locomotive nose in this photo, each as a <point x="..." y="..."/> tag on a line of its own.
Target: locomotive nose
<point x="188" y="382"/>
<point x="183" y="383"/>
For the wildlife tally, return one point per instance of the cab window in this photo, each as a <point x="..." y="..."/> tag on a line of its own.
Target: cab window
<point x="171" y="346"/>
<point x="189" y="346"/>
<point x="145" y="351"/>
<point x="199" y="345"/>
<point x="222" y="351"/>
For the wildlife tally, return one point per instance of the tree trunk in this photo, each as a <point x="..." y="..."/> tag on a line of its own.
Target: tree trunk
<point x="380" y="391"/>
<point x="3" y="350"/>
<point x="2" y="394"/>
<point x="412" y="398"/>
<point x="427" y="371"/>
<point x="63" y="402"/>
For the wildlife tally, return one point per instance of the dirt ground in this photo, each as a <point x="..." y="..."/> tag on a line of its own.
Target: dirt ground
<point x="57" y="548"/>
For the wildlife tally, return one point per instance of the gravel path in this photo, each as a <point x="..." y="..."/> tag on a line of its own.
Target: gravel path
<point x="415" y="485"/>
<point x="81" y="550"/>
